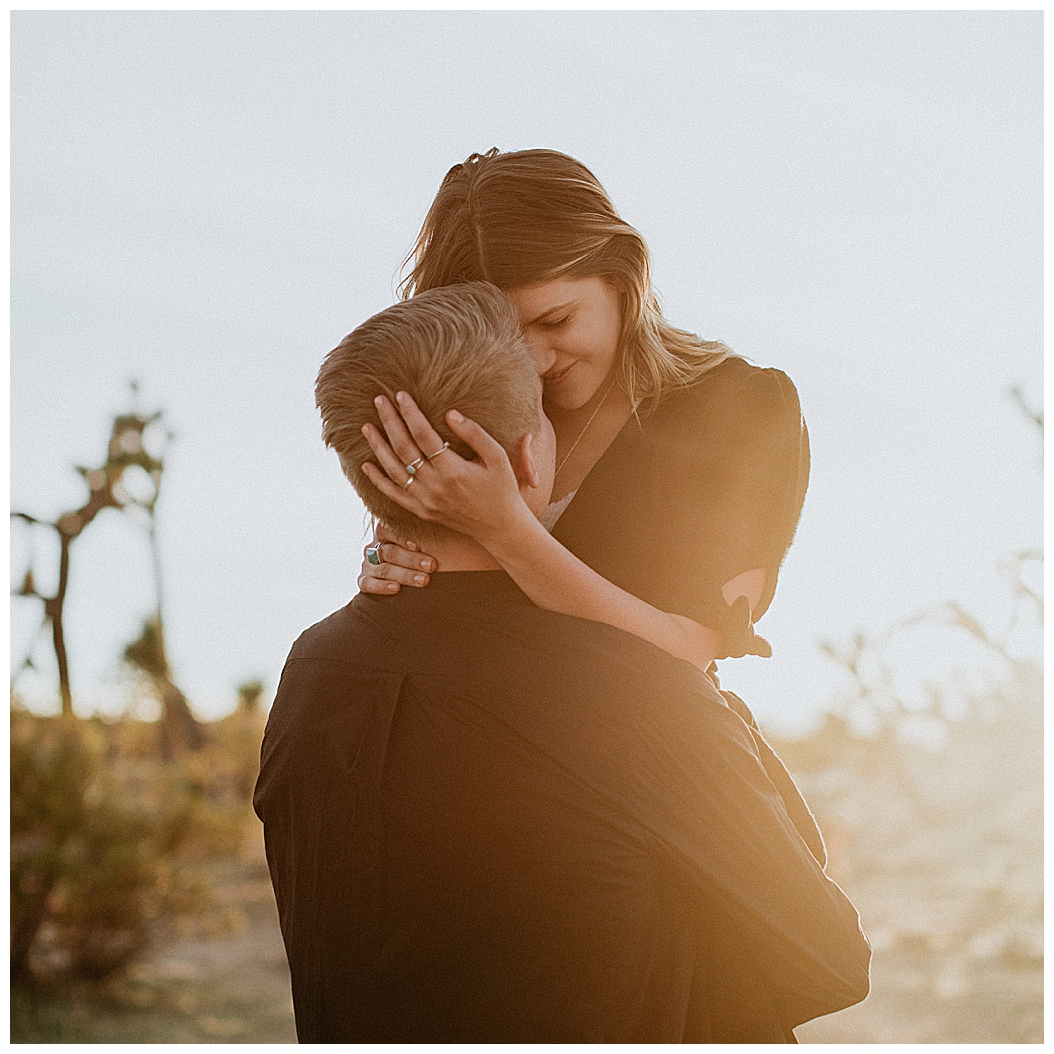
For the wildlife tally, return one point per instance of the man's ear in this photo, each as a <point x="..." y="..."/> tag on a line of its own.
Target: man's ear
<point x="523" y="465"/>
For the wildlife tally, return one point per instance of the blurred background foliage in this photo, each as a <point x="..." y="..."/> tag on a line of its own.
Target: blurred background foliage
<point x="111" y="840"/>
<point x="932" y="809"/>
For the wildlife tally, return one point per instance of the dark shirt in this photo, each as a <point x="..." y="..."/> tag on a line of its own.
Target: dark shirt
<point x="708" y="485"/>
<point x="486" y="822"/>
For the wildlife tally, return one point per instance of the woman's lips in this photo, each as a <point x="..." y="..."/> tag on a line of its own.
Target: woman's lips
<point x="551" y="379"/>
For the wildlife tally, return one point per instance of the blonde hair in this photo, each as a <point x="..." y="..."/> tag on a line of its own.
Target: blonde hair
<point x="458" y="347"/>
<point x="529" y="216"/>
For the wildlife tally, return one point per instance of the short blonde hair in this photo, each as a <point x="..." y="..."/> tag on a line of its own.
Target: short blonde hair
<point x="458" y="347"/>
<point x="520" y="218"/>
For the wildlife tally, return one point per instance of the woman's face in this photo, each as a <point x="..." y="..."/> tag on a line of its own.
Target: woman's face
<point x="572" y="325"/>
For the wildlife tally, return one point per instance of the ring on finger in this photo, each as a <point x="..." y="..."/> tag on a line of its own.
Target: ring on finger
<point x="373" y="553"/>
<point x="415" y="465"/>
<point x="445" y="446"/>
<point x="406" y="485"/>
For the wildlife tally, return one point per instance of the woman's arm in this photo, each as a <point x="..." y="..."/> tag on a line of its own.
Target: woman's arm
<point x="555" y="579"/>
<point x="481" y="498"/>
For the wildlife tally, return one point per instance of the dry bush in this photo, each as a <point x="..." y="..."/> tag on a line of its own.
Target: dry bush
<point x="111" y="840"/>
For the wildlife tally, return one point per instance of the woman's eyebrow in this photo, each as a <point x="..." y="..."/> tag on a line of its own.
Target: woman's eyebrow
<point x="551" y="311"/>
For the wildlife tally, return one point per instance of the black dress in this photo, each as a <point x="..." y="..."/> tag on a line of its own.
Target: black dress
<point x="708" y="485"/>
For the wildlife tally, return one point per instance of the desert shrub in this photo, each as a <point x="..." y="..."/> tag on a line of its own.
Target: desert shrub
<point x="50" y="771"/>
<point x="107" y="839"/>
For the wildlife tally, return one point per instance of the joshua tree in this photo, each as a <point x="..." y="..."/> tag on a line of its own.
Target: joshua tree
<point x="112" y="485"/>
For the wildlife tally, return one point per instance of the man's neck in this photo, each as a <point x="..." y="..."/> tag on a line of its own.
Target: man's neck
<point x="458" y="552"/>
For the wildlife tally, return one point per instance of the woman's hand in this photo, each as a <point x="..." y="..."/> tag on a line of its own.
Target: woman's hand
<point x="401" y="563"/>
<point x="479" y="498"/>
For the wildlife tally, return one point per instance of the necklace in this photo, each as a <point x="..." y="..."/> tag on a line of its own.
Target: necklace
<point x="585" y="427"/>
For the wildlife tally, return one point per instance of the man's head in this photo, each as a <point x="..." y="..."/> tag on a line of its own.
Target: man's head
<point x="458" y="347"/>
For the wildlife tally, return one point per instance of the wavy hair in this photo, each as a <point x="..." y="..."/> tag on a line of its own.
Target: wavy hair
<point x="529" y="216"/>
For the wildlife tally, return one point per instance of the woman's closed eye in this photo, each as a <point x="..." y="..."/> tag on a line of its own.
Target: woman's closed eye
<point x="556" y="324"/>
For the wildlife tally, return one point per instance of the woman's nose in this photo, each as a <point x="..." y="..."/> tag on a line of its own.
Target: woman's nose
<point x="544" y="357"/>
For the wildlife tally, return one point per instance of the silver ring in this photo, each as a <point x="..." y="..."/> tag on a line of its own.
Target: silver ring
<point x="415" y="465"/>
<point x="445" y="446"/>
<point x="406" y="485"/>
<point x="373" y="554"/>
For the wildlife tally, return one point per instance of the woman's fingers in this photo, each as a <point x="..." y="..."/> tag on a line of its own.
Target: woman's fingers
<point x="398" y="434"/>
<point x="387" y="458"/>
<point x="399" y="563"/>
<point x="400" y="495"/>
<point x="391" y="573"/>
<point x="395" y="556"/>
<point x="370" y="583"/>
<point x="383" y="534"/>
<point x="426" y="438"/>
<point x="410" y="437"/>
<point x="481" y="441"/>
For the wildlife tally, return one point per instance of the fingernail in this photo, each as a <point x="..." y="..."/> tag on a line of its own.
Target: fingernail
<point x="412" y="546"/>
<point x="401" y="396"/>
<point x="454" y="417"/>
<point x="419" y="580"/>
<point x="378" y="400"/>
<point x="392" y="587"/>
<point x="426" y="565"/>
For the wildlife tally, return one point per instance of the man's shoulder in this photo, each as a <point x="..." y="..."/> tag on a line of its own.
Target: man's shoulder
<point x="476" y="630"/>
<point x="365" y="632"/>
<point x="329" y="638"/>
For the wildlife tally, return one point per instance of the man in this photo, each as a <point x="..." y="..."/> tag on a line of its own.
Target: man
<point x="486" y="822"/>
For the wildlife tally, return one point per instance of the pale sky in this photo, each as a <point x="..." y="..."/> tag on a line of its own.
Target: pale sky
<point x="209" y="201"/>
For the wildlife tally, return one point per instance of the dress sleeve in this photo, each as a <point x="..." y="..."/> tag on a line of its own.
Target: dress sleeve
<point x="738" y="465"/>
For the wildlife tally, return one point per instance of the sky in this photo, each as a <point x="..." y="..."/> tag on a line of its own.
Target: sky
<point x="208" y="202"/>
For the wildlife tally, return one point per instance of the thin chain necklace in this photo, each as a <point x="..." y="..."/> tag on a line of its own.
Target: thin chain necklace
<point x="585" y="428"/>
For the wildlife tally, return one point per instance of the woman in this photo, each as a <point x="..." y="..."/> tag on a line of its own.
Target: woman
<point x="681" y="468"/>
